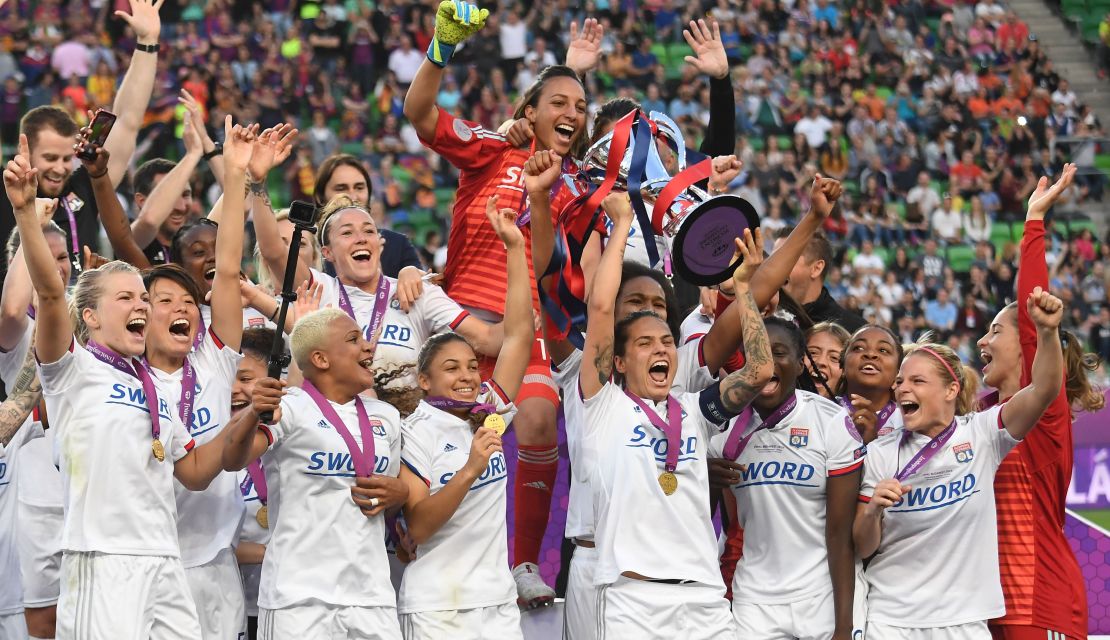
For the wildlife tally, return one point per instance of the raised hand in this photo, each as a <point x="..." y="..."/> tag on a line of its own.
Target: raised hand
<point x="143" y="19"/>
<point x="824" y="194"/>
<point x="541" y="171"/>
<point x="271" y="148"/>
<point x="92" y="260"/>
<point x="504" y="223"/>
<point x="887" y="492"/>
<point x="709" y="52"/>
<point x="410" y="286"/>
<point x="238" y="144"/>
<point x="751" y="249"/>
<point x="21" y="180"/>
<point x="455" y="21"/>
<point x="308" y="299"/>
<point x="1045" y="309"/>
<point x="267" y="397"/>
<point x="194" y="142"/>
<point x="98" y="166"/>
<point x="725" y="170"/>
<point x="584" y="50"/>
<point x="1043" y="197"/>
<point x="618" y="207"/>
<point x="45" y="208"/>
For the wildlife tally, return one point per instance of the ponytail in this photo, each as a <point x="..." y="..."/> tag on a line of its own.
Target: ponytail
<point x="1082" y="393"/>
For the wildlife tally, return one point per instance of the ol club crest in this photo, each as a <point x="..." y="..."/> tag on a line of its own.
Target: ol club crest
<point x="963" y="452"/>
<point x="799" y="438"/>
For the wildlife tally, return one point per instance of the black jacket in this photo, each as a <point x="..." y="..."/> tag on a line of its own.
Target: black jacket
<point x="825" y="309"/>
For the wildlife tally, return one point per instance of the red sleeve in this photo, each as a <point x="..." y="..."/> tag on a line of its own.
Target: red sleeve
<point x="1047" y="441"/>
<point x="467" y="145"/>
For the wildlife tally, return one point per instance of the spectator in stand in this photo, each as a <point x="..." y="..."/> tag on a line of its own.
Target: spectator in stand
<point x="868" y="264"/>
<point x="806" y="284"/>
<point x="941" y="312"/>
<point x="814" y="126"/>
<point x="965" y="175"/>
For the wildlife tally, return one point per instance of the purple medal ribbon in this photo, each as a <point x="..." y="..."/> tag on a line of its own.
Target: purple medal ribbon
<point x="440" y="402"/>
<point x="199" y="338"/>
<point x="188" y="393"/>
<point x="136" y="370"/>
<point x="381" y="303"/>
<point x="73" y="240"/>
<point x="672" y="428"/>
<point x="884" y="415"/>
<point x="927" y="452"/>
<point x="257" y="477"/>
<point x="363" y="459"/>
<point x="737" y="440"/>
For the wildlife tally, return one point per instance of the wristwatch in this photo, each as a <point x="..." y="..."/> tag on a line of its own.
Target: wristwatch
<point x="148" y="48"/>
<point x="218" y="149"/>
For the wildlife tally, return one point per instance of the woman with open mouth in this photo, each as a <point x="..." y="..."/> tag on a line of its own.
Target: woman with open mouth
<point x="866" y="386"/>
<point x="646" y="450"/>
<point x="197" y="361"/>
<point x="1041" y="580"/>
<point x="121" y="565"/>
<point x="927" y="504"/>
<point x="799" y="473"/>
<point x="459" y="584"/>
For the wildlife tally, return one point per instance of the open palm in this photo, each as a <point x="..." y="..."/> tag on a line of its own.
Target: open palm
<point x="709" y="52"/>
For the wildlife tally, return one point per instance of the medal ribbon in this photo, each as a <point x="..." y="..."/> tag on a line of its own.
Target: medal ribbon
<point x="440" y="402"/>
<point x="672" y="428"/>
<point x="134" y="369"/>
<point x="188" y="393"/>
<point x="884" y="415"/>
<point x="927" y="452"/>
<point x="737" y="440"/>
<point x="74" y="242"/>
<point x="199" y="338"/>
<point x="363" y="459"/>
<point x="381" y="303"/>
<point x="257" y="477"/>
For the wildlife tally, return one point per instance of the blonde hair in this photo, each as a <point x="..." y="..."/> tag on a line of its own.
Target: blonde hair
<point x="310" y="333"/>
<point x="88" y="291"/>
<point x="266" y="279"/>
<point x="951" y="369"/>
<point x="337" y="204"/>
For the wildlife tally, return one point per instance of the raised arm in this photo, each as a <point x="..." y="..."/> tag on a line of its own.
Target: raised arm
<point x="112" y="216"/>
<point x="17" y="296"/>
<point x="841" y="497"/>
<point x="195" y="113"/>
<point x="508" y="373"/>
<point x="271" y="149"/>
<point x="597" y="353"/>
<point x="227" y="309"/>
<point x="22" y="399"/>
<point x="1022" y="411"/>
<point x="161" y="200"/>
<point x="455" y="21"/>
<point x="134" y="92"/>
<point x="245" y="441"/>
<point x="54" y="327"/>
<point x="740" y="387"/>
<point x="709" y="58"/>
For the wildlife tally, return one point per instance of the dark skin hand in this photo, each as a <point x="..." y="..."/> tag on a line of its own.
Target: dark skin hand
<point x="865" y="419"/>
<point x="390" y="492"/>
<point x="724" y="473"/>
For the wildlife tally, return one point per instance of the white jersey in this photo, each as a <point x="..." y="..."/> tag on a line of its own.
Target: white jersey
<point x="937" y="562"/>
<point x="252" y="318"/>
<point x="638" y="528"/>
<point x="402" y="334"/>
<point x="252" y="532"/>
<point x="118" y="497"/>
<point x="322" y="548"/>
<point x="11" y="361"/>
<point x="11" y="589"/>
<point x="781" y="500"/>
<point x="636" y="247"/>
<point x="464" y="565"/>
<point x="207" y="521"/>
<point x="692" y="375"/>
<point x="695" y="325"/>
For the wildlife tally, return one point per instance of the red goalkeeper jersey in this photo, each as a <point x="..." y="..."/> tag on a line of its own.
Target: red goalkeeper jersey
<point x="1041" y="579"/>
<point x="475" y="275"/>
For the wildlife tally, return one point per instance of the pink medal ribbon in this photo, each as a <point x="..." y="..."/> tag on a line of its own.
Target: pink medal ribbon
<point x="927" y="452"/>
<point x="257" y="477"/>
<point x="362" y="459"/>
<point x="134" y="369"/>
<point x="884" y="416"/>
<point x="672" y="428"/>
<point x="737" y="440"/>
<point x="188" y="393"/>
<point x="381" y="303"/>
<point x="201" y="330"/>
<point x="440" y="402"/>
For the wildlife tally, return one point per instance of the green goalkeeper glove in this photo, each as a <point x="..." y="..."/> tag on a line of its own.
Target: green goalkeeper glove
<point x="455" y="21"/>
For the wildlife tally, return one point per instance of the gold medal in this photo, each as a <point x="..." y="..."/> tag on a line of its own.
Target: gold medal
<point x="668" y="482"/>
<point x="159" y="450"/>
<point x="494" y="422"/>
<point x="263" y="517"/>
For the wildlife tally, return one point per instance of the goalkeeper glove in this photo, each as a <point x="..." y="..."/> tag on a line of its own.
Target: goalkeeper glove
<point x="456" y="21"/>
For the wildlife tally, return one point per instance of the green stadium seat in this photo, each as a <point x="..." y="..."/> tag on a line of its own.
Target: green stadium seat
<point x="660" y="52"/>
<point x="677" y="51"/>
<point x="960" y="257"/>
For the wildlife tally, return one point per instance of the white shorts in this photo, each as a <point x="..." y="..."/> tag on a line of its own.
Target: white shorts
<point x="39" y="537"/>
<point x="496" y="622"/>
<point x="118" y="597"/>
<point x="218" y="594"/>
<point x="326" y="622"/>
<point x="810" y="619"/>
<point x="859" y="604"/>
<point x="969" y="631"/>
<point x="580" y="608"/>
<point x="13" y="626"/>
<point x="638" y="610"/>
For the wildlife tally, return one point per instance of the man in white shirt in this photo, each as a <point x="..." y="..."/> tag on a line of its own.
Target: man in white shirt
<point x="1065" y="96"/>
<point x="924" y="196"/>
<point x="814" y="126"/>
<point x="868" y="264"/>
<point x="404" y="62"/>
<point x="947" y="221"/>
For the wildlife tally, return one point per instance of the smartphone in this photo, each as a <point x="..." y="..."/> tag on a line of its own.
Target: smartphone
<point x="98" y="133"/>
<point x="302" y="213"/>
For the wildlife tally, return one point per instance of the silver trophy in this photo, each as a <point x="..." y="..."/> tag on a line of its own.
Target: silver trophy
<point x="698" y="229"/>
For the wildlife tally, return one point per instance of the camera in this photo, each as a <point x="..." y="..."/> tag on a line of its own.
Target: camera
<point x="302" y="214"/>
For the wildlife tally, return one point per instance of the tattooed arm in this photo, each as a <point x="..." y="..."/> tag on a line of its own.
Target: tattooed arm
<point x="22" y="398"/>
<point x="597" y="353"/>
<point x="740" y="387"/>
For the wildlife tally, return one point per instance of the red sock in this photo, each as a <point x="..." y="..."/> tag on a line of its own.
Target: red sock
<point x="536" y="469"/>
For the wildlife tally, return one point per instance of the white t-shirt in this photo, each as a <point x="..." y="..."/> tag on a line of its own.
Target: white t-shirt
<point x="639" y="528"/>
<point x="252" y="318"/>
<point x="40" y="482"/>
<point x="937" y="562"/>
<point x="695" y="325"/>
<point x="11" y="588"/>
<point x="252" y="532"/>
<point x="322" y="548"/>
<point x="692" y="375"/>
<point x="402" y="334"/>
<point x="207" y="521"/>
<point x="636" y="247"/>
<point x="816" y="130"/>
<point x="11" y="361"/>
<point x="464" y="565"/>
<point x="781" y="500"/>
<point x="118" y="497"/>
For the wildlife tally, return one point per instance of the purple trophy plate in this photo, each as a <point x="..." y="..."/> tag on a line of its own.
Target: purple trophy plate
<point x="704" y="246"/>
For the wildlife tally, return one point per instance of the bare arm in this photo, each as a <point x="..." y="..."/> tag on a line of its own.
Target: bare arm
<point x="841" y="497"/>
<point x="867" y="530"/>
<point x="161" y="200"/>
<point x="597" y="354"/>
<point x="1022" y="411"/>
<point x="227" y="305"/>
<point x="16" y="298"/>
<point x="508" y="373"/>
<point x="740" y="387"/>
<point x="420" y="101"/>
<point x="245" y="441"/>
<point x="134" y="92"/>
<point x="250" y="553"/>
<point x="22" y="399"/>
<point x="201" y="465"/>
<point x="112" y="216"/>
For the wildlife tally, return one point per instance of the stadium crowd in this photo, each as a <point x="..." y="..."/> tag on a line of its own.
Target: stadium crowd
<point x="914" y="168"/>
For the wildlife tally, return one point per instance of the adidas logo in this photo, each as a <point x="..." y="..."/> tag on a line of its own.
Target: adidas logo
<point x="538" y="484"/>
<point x="448" y="448"/>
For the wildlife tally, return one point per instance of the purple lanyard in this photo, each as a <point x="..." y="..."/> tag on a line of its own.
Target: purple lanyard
<point x="672" y="428"/>
<point x="188" y="393"/>
<point x="737" y="440"/>
<point x="927" y="452"/>
<point x="381" y="303"/>
<point x="884" y="416"/>
<point x="135" y="370"/>
<point x="199" y="338"/>
<point x="446" y="404"/>
<point x="73" y="240"/>
<point x="363" y="459"/>
<point x="257" y="477"/>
